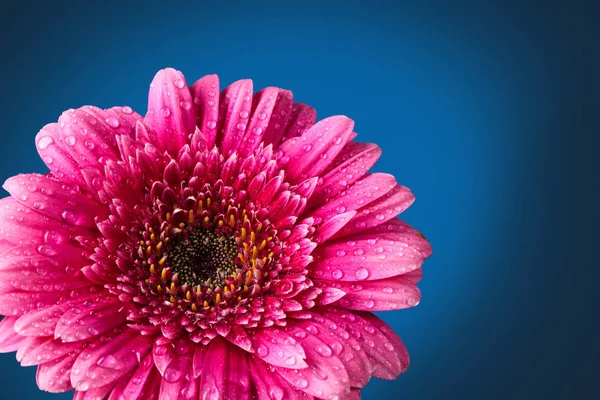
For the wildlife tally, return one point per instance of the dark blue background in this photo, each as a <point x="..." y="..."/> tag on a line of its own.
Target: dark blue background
<point x="489" y="113"/>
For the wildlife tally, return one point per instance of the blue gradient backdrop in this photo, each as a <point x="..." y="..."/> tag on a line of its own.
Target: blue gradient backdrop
<point x="489" y="113"/>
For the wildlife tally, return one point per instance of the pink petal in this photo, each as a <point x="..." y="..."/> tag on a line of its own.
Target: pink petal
<point x="235" y="107"/>
<point x="225" y="373"/>
<point x="133" y="387"/>
<point x="205" y="92"/>
<point x="270" y="385"/>
<point x="28" y="269"/>
<point x="88" y="135"/>
<point x="278" y="348"/>
<point x="19" y="303"/>
<point x="51" y="376"/>
<point x="10" y="340"/>
<point x="303" y="118"/>
<point x="270" y="111"/>
<point x="364" y="191"/>
<point x="283" y="119"/>
<point x="46" y="350"/>
<point x="52" y="151"/>
<point x="381" y="295"/>
<point x="22" y="225"/>
<point x="345" y="347"/>
<point x="174" y="377"/>
<point x="369" y="256"/>
<point x="93" y="394"/>
<point x="387" y="355"/>
<point x="310" y="154"/>
<point x="351" y="164"/>
<point x="171" y="113"/>
<point x="48" y="195"/>
<point x="380" y="211"/>
<point x="333" y="225"/>
<point x="325" y="376"/>
<point x="105" y="361"/>
<point x="80" y="323"/>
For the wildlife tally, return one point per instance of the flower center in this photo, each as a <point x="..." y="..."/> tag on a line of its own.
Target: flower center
<point x="202" y="257"/>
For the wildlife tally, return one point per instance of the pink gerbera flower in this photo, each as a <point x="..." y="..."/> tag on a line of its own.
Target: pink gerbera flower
<point x="225" y="246"/>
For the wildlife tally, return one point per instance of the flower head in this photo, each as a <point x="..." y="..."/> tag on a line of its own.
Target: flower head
<point x="224" y="246"/>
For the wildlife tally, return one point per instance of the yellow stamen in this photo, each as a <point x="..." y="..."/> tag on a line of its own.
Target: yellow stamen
<point x="254" y="252"/>
<point x="161" y="262"/>
<point x="172" y="286"/>
<point x="159" y="288"/>
<point x="243" y="234"/>
<point x="231" y="220"/>
<point x="163" y="274"/>
<point x="252" y="236"/>
<point x="148" y="250"/>
<point x="194" y="308"/>
<point x="218" y="298"/>
<point x="205" y="304"/>
<point x="152" y="269"/>
<point x="191" y="216"/>
<point x="159" y="246"/>
<point x="168" y="216"/>
<point x="262" y="245"/>
<point x="208" y="200"/>
<point x="172" y="299"/>
<point x="153" y="237"/>
<point x="199" y="206"/>
<point x="188" y="295"/>
<point x="206" y="219"/>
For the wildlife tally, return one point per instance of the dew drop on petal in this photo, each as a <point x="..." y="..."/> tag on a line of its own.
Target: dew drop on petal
<point x="337" y="274"/>
<point x="179" y="83"/>
<point x="362" y="273"/>
<point x="113" y="122"/>
<point x="172" y="374"/>
<point x="211" y="124"/>
<point x="44" y="142"/>
<point x="165" y="111"/>
<point x="70" y="140"/>
<point x="302" y="383"/>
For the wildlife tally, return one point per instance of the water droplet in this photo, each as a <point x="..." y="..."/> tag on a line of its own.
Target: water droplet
<point x="341" y="253"/>
<point x="112" y="121"/>
<point x="46" y="250"/>
<point x="262" y="351"/>
<point x="211" y="124"/>
<point x="165" y="111"/>
<point x="179" y="83"/>
<point x="241" y="126"/>
<point x="337" y="274"/>
<point x="70" y="216"/>
<point x="70" y="271"/>
<point x="127" y="110"/>
<point x="186" y="105"/>
<point x="262" y="116"/>
<point x="387" y="289"/>
<point x="44" y="142"/>
<point x="172" y="375"/>
<point x="359" y="252"/>
<point x="362" y="274"/>
<point x="412" y="301"/>
<point x="324" y="350"/>
<point x="337" y="140"/>
<point x="290" y="361"/>
<point x="38" y="206"/>
<point x="302" y="383"/>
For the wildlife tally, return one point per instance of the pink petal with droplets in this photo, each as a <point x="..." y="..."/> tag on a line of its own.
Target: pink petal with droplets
<point x="302" y="119"/>
<point x="278" y="348"/>
<point x="387" y="356"/>
<point x="385" y="294"/>
<point x="105" y="361"/>
<point x="88" y="134"/>
<point x="325" y="376"/>
<point x="21" y="225"/>
<point x="270" y="110"/>
<point x="225" y="373"/>
<point x="380" y="211"/>
<point x="269" y="385"/>
<point x="133" y="387"/>
<point x="82" y="210"/>
<point x="52" y="151"/>
<point x="350" y="165"/>
<point x="235" y="107"/>
<point x="46" y="350"/>
<point x="310" y="154"/>
<point x="369" y="256"/>
<point x="171" y="113"/>
<point x="205" y="92"/>
<point x="10" y="340"/>
<point x="80" y="323"/>
<point x="364" y="191"/>
<point x="54" y="376"/>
